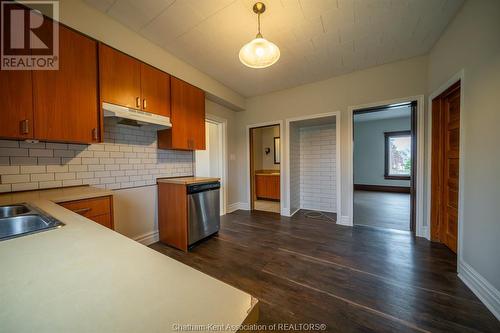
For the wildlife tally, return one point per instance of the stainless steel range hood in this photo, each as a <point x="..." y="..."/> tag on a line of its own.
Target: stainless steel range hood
<point x="138" y="117"/>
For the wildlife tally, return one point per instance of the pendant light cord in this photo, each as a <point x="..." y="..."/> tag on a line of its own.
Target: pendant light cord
<point x="259" y="35"/>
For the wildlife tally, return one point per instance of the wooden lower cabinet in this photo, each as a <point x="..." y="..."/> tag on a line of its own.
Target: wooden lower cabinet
<point x="267" y="187"/>
<point x="99" y="210"/>
<point x="172" y="215"/>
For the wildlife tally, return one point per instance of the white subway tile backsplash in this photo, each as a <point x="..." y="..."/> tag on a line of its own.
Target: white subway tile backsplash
<point x="41" y="152"/>
<point x="57" y="168"/>
<point x="126" y="153"/>
<point x="24" y="186"/>
<point x="42" y="177"/>
<point x="9" y="144"/>
<point x="9" y="170"/>
<point x="5" y="188"/>
<point x="12" y="179"/>
<point x="65" y="176"/>
<point x="32" y="169"/>
<point x="13" y="152"/>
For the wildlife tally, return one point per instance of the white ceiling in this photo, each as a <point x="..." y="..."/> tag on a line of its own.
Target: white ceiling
<point x="399" y="112"/>
<point x="318" y="39"/>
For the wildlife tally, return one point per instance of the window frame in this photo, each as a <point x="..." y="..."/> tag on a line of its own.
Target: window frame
<point x="387" y="136"/>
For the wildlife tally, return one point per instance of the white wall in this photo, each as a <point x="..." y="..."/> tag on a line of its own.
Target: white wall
<point x="369" y="150"/>
<point x="233" y="182"/>
<point x="78" y="15"/>
<point x="472" y="42"/>
<point x="318" y="184"/>
<point x="386" y="82"/>
<point x="207" y="161"/>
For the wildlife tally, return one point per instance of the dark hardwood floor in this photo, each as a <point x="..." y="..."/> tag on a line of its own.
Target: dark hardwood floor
<point x="358" y="279"/>
<point x="382" y="209"/>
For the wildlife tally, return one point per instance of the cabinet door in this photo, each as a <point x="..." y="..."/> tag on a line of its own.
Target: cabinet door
<point x="65" y="100"/>
<point x="16" y="105"/>
<point x="155" y="88"/>
<point x="197" y="119"/>
<point x="187" y="116"/>
<point x="120" y="78"/>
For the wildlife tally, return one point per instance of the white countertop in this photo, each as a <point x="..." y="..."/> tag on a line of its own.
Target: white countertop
<point x="187" y="180"/>
<point x="83" y="277"/>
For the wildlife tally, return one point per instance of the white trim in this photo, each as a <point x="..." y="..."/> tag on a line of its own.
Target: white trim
<point x="237" y="206"/>
<point x="282" y="183"/>
<point x="344" y="220"/>
<point x="148" y="238"/>
<point x="286" y="165"/>
<point x="316" y="209"/>
<point x="459" y="76"/>
<point x="419" y="220"/>
<point x="488" y="294"/>
<point x="224" y="167"/>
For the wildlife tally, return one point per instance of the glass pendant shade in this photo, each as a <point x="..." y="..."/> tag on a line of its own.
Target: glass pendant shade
<point x="259" y="53"/>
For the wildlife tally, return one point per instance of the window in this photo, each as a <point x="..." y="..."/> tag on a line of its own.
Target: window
<point x="398" y="155"/>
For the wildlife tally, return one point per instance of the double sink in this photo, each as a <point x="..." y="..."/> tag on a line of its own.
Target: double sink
<point x="21" y="220"/>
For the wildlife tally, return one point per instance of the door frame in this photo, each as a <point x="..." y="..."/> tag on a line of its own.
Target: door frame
<point x="459" y="76"/>
<point x="223" y="167"/>
<point x="337" y="114"/>
<point x="249" y="162"/>
<point x="421" y="230"/>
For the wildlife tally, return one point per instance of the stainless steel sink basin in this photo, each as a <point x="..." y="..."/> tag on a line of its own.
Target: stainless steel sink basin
<point x="22" y="220"/>
<point x="14" y="210"/>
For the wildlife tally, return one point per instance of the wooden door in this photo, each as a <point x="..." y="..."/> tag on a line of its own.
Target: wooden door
<point x="155" y="90"/>
<point x="65" y="100"/>
<point x="120" y="78"/>
<point x="16" y="105"/>
<point x="187" y="116"/>
<point x="445" y="167"/>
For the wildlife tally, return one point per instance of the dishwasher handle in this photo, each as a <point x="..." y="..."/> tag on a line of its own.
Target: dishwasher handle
<point x="197" y="188"/>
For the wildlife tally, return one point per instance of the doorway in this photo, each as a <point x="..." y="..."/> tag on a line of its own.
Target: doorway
<point x="211" y="162"/>
<point x="384" y="166"/>
<point x="445" y="142"/>
<point x="265" y="168"/>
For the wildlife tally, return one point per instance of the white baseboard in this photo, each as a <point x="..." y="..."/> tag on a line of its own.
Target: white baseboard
<point x="318" y="210"/>
<point x="424" y="232"/>
<point x="488" y="294"/>
<point x="344" y="220"/>
<point x="237" y="205"/>
<point x="149" y="238"/>
<point x="287" y="212"/>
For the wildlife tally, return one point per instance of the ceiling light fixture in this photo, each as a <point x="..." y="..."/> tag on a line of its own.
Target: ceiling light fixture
<point x="259" y="53"/>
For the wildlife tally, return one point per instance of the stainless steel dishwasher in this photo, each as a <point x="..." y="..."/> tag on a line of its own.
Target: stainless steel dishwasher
<point x="203" y="210"/>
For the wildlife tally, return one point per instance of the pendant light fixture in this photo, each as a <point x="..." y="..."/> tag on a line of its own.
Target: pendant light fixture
<point x="259" y="53"/>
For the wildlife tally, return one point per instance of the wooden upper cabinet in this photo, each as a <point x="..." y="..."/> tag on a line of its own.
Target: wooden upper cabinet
<point x="16" y="105"/>
<point x="129" y="82"/>
<point x="120" y="78"/>
<point x="155" y="89"/>
<point x="187" y="116"/>
<point x="65" y="100"/>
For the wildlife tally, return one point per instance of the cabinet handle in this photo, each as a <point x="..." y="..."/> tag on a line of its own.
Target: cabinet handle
<point x="144" y="104"/>
<point x="82" y="210"/>
<point x="138" y="102"/>
<point x="94" y="134"/>
<point x="25" y="126"/>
